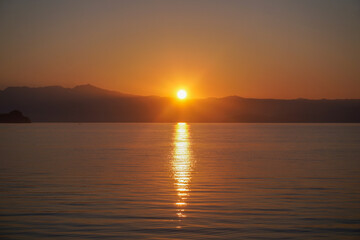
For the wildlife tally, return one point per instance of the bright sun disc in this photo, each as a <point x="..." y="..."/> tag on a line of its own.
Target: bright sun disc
<point x="181" y="94"/>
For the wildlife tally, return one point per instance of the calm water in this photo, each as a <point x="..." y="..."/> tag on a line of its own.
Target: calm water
<point x="180" y="181"/>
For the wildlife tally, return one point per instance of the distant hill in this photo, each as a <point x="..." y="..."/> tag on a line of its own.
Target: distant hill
<point x="13" y="117"/>
<point x="88" y="103"/>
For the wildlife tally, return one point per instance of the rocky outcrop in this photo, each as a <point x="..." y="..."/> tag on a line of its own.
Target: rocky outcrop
<point x="14" y="117"/>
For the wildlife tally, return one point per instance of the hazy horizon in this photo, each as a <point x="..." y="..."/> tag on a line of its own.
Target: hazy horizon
<point x="190" y="97"/>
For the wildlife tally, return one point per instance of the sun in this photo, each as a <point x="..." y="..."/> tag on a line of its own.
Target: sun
<point x="181" y="94"/>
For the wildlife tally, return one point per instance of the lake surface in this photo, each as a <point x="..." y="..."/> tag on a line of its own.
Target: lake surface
<point x="179" y="181"/>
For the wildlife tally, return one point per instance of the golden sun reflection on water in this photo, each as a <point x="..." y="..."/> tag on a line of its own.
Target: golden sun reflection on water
<point x="181" y="165"/>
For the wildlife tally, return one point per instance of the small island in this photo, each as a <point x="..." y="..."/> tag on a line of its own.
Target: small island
<point x="13" y="117"/>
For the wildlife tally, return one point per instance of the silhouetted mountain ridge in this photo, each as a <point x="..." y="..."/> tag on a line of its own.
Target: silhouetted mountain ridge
<point x="85" y="90"/>
<point x="95" y="91"/>
<point x="87" y="103"/>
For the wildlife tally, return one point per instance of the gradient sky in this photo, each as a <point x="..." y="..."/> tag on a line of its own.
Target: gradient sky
<point x="260" y="49"/>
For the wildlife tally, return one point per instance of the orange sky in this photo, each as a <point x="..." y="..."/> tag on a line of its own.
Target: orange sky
<point x="259" y="49"/>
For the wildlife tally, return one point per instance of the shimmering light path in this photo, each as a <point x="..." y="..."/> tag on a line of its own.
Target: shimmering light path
<point x="182" y="167"/>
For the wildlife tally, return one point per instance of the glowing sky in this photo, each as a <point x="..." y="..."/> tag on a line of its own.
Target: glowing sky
<point x="260" y="49"/>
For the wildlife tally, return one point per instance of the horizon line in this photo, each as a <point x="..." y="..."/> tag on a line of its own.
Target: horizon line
<point x="190" y="98"/>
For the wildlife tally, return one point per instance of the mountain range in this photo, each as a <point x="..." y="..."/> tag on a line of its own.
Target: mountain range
<point x="87" y="103"/>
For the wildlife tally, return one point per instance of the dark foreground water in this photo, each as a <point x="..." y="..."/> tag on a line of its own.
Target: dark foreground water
<point x="180" y="181"/>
